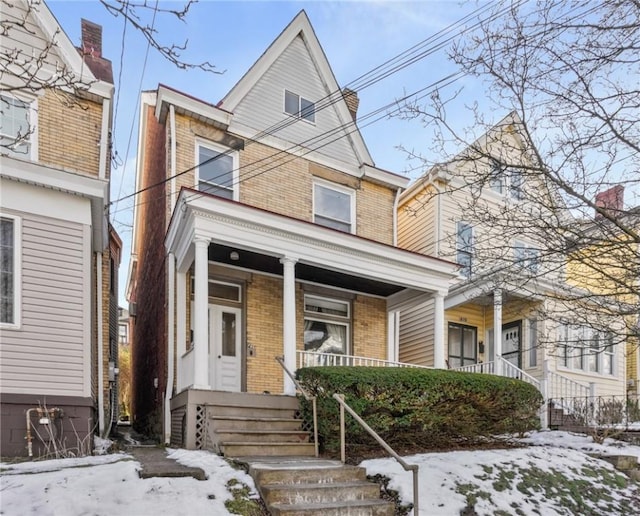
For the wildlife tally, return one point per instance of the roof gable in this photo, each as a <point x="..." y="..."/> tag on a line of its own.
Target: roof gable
<point x="295" y="61"/>
<point x="40" y="27"/>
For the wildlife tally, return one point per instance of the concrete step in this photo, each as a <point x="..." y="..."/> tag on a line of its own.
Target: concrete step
<point x="321" y="475"/>
<point x="258" y="449"/>
<point x="319" y="492"/>
<point x="258" y="411"/>
<point x="352" y="508"/>
<point x="262" y="436"/>
<point x="254" y="423"/>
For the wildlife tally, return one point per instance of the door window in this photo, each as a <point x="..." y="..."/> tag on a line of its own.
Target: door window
<point x="462" y="345"/>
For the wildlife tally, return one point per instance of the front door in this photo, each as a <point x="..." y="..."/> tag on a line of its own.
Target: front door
<point x="462" y="345"/>
<point x="511" y="345"/>
<point x="225" y="339"/>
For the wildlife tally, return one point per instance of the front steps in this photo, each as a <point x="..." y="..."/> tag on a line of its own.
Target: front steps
<point x="316" y="487"/>
<point x="258" y="425"/>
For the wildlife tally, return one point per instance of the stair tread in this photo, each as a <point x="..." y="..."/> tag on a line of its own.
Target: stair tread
<point x="258" y="418"/>
<point x="331" y="505"/>
<point x="233" y="431"/>
<point x="262" y="443"/>
<point x="320" y="485"/>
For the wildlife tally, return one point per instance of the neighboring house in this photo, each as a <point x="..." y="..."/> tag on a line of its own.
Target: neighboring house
<point x="263" y="229"/>
<point x="60" y="256"/>
<point x="605" y="261"/>
<point x="509" y="315"/>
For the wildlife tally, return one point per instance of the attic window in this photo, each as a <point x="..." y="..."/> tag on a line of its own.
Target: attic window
<point x="299" y="107"/>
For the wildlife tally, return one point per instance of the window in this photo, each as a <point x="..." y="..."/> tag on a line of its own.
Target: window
<point x="217" y="168"/>
<point x="326" y="325"/>
<point x="525" y="256"/>
<point x="516" y="184"/>
<point x="220" y="290"/>
<point x="299" y="106"/>
<point x="9" y="270"/>
<point x="496" y="177"/>
<point x="464" y="247"/>
<point x="333" y="206"/>
<point x="585" y="349"/>
<point x="123" y="334"/>
<point x="462" y="345"/>
<point x="15" y="128"/>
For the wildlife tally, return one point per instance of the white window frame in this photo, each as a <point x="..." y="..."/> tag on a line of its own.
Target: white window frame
<point x="501" y="182"/>
<point x="530" y="259"/>
<point x="338" y="320"/>
<point x="221" y="150"/>
<point x="17" y="272"/>
<point x="33" y="126"/>
<point x="298" y="114"/>
<point x="338" y="188"/>
<point x="468" y="252"/>
<point x="532" y="341"/>
<point x="577" y="343"/>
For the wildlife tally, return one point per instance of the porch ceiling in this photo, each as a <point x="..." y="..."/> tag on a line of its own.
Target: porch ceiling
<point x="323" y="255"/>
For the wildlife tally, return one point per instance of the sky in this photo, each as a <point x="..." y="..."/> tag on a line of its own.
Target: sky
<point x="356" y="37"/>
<point x="109" y="484"/>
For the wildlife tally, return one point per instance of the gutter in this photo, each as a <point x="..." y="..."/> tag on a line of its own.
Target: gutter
<point x="170" y="349"/>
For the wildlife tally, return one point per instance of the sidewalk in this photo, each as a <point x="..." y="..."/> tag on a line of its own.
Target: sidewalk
<point x="155" y="463"/>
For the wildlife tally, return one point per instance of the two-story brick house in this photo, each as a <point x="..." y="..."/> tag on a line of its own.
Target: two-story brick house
<point x="59" y="253"/>
<point x="263" y="229"/>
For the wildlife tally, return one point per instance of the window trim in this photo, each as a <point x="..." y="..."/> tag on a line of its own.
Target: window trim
<point x="32" y="103"/>
<point x="462" y="356"/>
<point x="530" y="260"/>
<point x="507" y="189"/>
<point x="17" y="273"/>
<point x="298" y="115"/>
<point x="341" y="320"/>
<point x="460" y="250"/>
<point x="567" y="334"/>
<point x="215" y="147"/>
<point x="338" y="188"/>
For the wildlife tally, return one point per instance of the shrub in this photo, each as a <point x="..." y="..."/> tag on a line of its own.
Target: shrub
<point x="409" y="407"/>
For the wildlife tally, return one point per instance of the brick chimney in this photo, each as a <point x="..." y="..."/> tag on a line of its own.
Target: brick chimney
<point x="352" y="100"/>
<point x="91" y="38"/>
<point x="91" y="51"/>
<point x="612" y="200"/>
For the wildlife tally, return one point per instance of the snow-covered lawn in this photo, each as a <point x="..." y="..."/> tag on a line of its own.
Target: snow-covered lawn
<point x="553" y="476"/>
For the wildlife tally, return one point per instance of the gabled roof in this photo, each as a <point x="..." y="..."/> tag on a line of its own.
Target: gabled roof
<point x="299" y="26"/>
<point x="52" y="30"/>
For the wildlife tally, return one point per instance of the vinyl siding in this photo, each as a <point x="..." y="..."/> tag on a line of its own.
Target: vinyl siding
<point x="416" y="335"/>
<point x="48" y="353"/>
<point x="417" y="223"/>
<point x="263" y="106"/>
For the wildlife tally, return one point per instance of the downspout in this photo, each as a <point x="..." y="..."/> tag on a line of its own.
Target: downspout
<point x="104" y="138"/>
<point x="100" y="343"/>
<point x="438" y="217"/>
<point x="170" y="349"/>
<point x="395" y="217"/>
<point x="172" y="129"/>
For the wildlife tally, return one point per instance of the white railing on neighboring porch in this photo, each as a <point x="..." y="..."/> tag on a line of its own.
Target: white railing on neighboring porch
<point x="186" y="368"/>
<point x="316" y="359"/>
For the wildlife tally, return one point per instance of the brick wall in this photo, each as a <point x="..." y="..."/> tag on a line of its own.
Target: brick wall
<point x="370" y="327"/>
<point x="149" y="340"/>
<point x="69" y="132"/>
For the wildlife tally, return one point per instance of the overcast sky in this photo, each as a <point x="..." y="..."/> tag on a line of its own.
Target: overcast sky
<point x="356" y="37"/>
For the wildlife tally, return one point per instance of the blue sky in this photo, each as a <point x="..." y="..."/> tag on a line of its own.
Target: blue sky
<point x="356" y="36"/>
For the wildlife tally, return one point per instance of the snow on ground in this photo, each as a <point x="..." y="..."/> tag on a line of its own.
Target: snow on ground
<point x="531" y="480"/>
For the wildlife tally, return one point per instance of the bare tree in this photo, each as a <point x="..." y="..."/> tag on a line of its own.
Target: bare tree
<point x="34" y="70"/>
<point x="568" y="72"/>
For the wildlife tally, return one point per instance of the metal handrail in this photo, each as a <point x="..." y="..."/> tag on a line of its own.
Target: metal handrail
<point x="308" y="397"/>
<point x="407" y="467"/>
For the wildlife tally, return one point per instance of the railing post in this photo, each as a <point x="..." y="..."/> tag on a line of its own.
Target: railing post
<point x="544" y="389"/>
<point x="342" y="431"/>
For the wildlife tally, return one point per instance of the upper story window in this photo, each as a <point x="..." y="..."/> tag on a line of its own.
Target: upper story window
<point x="526" y="256"/>
<point x="326" y="324"/>
<point x="464" y="247"/>
<point x="16" y="129"/>
<point x="217" y="170"/>
<point x="9" y="270"/>
<point x="298" y="106"/>
<point x="123" y="334"/>
<point x="334" y="206"/>
<point x="505" y="181"/>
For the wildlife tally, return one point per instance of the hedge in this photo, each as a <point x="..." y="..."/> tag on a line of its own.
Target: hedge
<point x="411" y="407"/>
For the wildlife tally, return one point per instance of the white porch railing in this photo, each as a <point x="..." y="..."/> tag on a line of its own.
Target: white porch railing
<point x="562" y="387"/>
<point x="186" y="368"/>
<point x="512" y="371"/>
<point x="315" y="359"/>
<point x="482" y="367"/>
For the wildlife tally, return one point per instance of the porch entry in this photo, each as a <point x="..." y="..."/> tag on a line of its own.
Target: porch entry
<point x="511" y="343"/>
<point x="225" y="353"/>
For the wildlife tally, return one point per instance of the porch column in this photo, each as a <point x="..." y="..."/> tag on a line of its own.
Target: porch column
<point x="289" y="319"/>
<point x="497" y="330"/>
<point x="438" y="332"/>
<point x="200" y="316"/>
<point x="393" y="336"/>
<point x="181" y="326"/>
